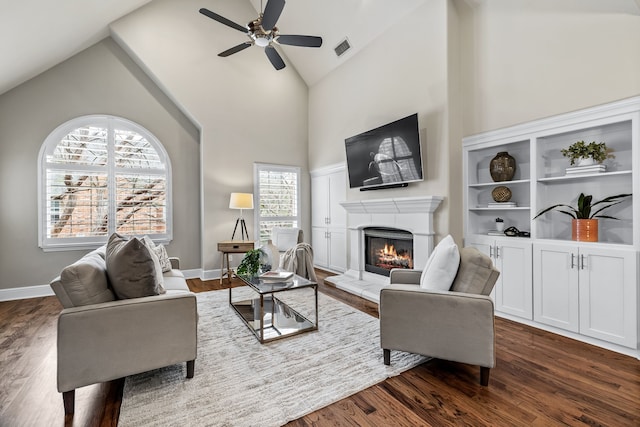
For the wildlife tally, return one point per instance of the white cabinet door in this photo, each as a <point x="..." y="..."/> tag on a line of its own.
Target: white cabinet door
<point x="320" y="246"/>
<point x="338" y="250"/>
<point x="608" y="291"/>
<point x="555" y="286"/>
<point x="320" y="201"/>
<point x="514" y="290"/>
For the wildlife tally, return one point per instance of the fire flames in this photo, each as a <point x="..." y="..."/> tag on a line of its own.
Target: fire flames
<point x="389" y="258"/>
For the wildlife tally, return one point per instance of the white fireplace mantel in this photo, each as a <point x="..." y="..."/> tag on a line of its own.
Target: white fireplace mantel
<point x="413" y="214"/>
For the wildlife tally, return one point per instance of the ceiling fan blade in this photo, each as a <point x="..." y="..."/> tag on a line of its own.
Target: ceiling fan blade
<point x="272" y="12"/>
<point x="294" y="40"/>
<point x="274" y="57"/>
<point x="223" y="20"/>
<point x="235" y="49"/>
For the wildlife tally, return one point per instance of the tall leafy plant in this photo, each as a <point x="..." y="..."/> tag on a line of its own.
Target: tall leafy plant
<point x="585" y="208"/>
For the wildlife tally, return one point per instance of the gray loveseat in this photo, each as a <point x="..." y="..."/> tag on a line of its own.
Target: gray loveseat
<point x="102" y="338"/>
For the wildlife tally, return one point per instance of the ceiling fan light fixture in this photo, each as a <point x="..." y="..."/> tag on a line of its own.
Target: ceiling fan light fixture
<point x="262" y="41"/>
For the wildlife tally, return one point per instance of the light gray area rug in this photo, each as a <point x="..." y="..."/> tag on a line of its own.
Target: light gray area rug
<point x="240" y="382"/>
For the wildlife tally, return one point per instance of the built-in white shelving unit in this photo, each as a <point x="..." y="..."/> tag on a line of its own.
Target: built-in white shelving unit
<point x="588" y="291"/>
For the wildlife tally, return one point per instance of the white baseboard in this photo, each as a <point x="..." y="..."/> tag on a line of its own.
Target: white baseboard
<point x="25" y="292"/>
<point x="195" y="273"/>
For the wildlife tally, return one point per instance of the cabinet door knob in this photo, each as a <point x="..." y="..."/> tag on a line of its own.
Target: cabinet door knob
<point x="490" y="251"/>
<point x="572" y="260"/>
<point x="583" y="264"/>
<point x="497" y="251"/>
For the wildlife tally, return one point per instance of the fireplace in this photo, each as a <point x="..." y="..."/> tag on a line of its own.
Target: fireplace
<point x="387" y="248"/>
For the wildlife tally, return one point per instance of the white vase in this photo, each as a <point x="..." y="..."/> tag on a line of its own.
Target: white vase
<point x="500" y="226"/>
<point x="272" y="253"/>
<point x="586" y="162"/>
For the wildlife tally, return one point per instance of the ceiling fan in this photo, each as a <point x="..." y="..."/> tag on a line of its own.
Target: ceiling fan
<point x="262" y="32"/>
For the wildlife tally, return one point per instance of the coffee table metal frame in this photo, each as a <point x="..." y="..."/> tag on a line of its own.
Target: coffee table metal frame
<point x="269" y="308"/>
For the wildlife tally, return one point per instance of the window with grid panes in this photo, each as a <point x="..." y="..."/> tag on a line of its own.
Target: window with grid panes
<point x="277" y="190"/>
<point x="99" y="175"/>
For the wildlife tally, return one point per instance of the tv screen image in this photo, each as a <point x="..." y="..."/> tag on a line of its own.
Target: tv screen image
<point x="384" y="156"/>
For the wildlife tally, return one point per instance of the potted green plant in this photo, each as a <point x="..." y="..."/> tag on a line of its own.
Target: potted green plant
<point x="584" y="224"/>
<point x="250" y="264"/>
<point x="584" y="153"/>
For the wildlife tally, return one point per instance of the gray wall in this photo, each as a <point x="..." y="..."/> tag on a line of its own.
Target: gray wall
<point x="99" y="80"/>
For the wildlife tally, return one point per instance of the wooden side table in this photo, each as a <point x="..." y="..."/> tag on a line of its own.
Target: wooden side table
<point x="232" y="247"/>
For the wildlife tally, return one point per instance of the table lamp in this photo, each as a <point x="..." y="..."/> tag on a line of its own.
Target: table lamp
<point x="241" y="201"/>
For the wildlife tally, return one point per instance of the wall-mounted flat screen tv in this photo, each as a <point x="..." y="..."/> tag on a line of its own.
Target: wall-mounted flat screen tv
<point x="387" y="156"/>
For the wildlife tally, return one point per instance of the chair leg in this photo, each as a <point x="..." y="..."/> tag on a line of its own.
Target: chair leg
<point x="387" y="356"/>
<point x="484" y="375"/>
<point x="191" y="366"/>
<point x="69" y="398"/>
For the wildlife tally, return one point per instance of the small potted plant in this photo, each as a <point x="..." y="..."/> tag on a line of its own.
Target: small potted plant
<point x="250" y="264"/>
<point x="584" y="225"/>
<point x="499" y="224"/>
<point x="586" y="154"/>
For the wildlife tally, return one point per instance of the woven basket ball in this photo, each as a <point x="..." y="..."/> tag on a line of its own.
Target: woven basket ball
<point x="501" y="194"/>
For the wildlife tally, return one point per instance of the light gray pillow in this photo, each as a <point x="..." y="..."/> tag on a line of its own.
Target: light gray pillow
<point x="163" y="257"/>
<point x="476" y="274"/>
<point x="83" y="282"/>
<point x="131" y="268"/>
<point x="161" y="253"/>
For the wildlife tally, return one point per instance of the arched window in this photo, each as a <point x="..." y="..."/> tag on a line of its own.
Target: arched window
<point x="101" y="174"/>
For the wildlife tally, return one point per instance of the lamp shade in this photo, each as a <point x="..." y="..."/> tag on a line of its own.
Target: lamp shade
<point x="241" y="201"/>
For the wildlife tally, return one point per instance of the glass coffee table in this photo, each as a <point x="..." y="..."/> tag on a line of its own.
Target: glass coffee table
<point x="267" y="316"/>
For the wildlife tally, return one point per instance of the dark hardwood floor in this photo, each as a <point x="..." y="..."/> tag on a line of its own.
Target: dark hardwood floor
<point x="541" y="379"/>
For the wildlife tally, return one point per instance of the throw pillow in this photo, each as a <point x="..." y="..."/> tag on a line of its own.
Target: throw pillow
<point x="156" y="263"/>
<point x="286" y="238"/>
<point x="131" y="268"/>
<point x="163" y="256"/>
<point x="442" y="266"/>
<point x="161" y="253"/>
<point x="83" y="282"/>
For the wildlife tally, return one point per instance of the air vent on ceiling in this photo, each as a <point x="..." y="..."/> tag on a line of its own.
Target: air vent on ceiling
<point x="342" y="47"/>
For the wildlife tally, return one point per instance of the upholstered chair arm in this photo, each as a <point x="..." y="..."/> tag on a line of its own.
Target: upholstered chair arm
<point x="403" y="275"/>
<point x="447" y="325"/>
<point x="175" y="262"/>
<point x="102" y="342"/>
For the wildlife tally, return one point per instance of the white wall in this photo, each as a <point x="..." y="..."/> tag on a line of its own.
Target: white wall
<point x="402" y="72"/>
<point x="525" y="59"/>
<point x="247" y="111"/>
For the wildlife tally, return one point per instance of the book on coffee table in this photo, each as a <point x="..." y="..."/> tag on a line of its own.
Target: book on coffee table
<point x="277" y="276"/>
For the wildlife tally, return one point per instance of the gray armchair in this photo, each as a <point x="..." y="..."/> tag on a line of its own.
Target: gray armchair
<point x="456" y="325"/>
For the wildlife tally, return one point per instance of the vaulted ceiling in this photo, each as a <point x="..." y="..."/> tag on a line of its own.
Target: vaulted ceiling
<point x="38" y="34"/>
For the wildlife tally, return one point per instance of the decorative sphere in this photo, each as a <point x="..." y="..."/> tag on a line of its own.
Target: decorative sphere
<point x="501" y="194"/>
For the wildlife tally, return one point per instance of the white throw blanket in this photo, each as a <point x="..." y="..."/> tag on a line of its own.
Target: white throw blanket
<point x="299" y="259"/>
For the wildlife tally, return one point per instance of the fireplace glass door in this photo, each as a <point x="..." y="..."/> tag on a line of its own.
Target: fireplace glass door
<point x="387" y="248"/>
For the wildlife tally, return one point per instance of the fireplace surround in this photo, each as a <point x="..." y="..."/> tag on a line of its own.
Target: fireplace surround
<point x="411" y="214"/>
